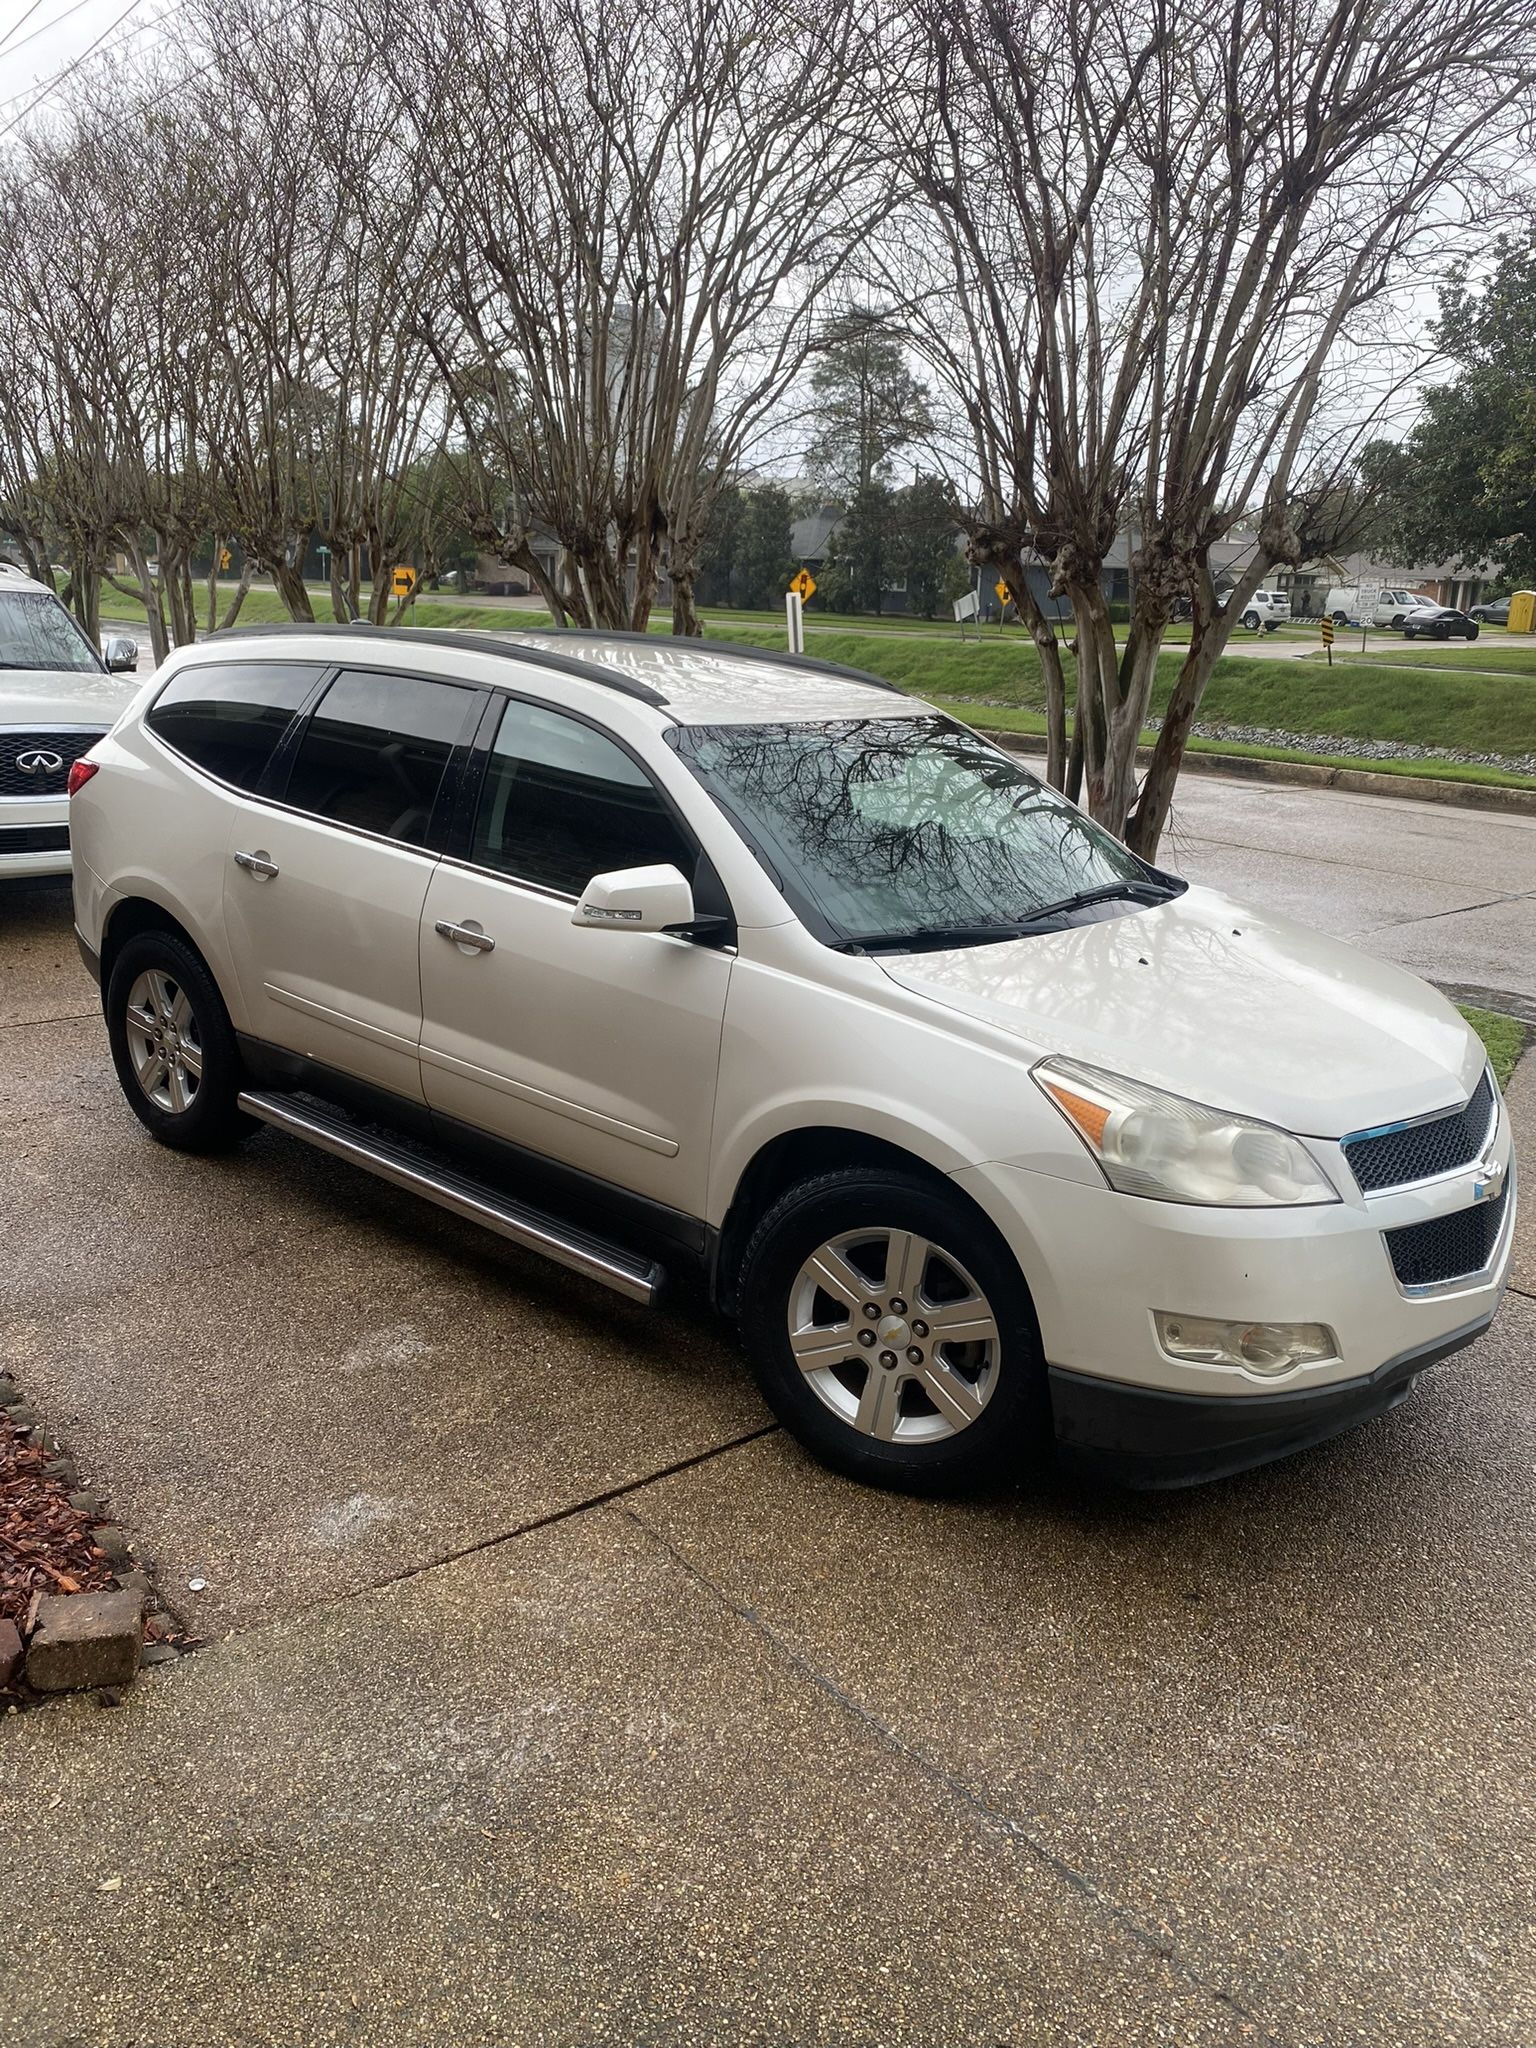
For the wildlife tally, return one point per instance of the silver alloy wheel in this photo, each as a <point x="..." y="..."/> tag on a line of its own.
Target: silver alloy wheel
<point x="164" y="1042"/>
<point x="894" y="1336"/>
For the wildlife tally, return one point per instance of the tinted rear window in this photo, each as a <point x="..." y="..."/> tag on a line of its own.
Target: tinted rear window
<point x="374" y="751"/>
<point x="228" y="717"/>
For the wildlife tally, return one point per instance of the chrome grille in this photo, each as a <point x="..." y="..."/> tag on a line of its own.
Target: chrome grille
<point x="15" y="746"/>
<point x="1440" y="1144"/>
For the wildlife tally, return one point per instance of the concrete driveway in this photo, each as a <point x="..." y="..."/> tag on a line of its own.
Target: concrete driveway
<point x="551" y="1696"/>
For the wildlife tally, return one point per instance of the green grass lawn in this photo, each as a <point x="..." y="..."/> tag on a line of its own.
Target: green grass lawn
<point x="1503" y="1036"/>
<point x="1494" y="659"/>
<point x="997" y="680"/>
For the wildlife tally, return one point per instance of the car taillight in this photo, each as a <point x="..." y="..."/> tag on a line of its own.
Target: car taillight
<point x="80" y="773"/>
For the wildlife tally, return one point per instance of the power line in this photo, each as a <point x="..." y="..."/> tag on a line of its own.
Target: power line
<point x="20" y="22"/>
<point x="42" y="27"/>
<point x="52" y="84"/>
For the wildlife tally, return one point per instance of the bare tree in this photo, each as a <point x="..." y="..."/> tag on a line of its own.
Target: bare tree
<point x="637" y="241"/>
<point x="1142" y="241"/>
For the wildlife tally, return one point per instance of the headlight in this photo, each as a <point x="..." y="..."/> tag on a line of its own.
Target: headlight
<point x="1150" y="1143"/>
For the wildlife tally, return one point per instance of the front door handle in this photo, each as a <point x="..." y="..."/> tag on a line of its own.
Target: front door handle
<point x="258" y="864"/>
<point x="465" y="935"/>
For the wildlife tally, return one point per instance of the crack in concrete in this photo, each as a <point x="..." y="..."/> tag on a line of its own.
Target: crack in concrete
<point x="1398" y="924"/>
<point x="529" y="1528"/>
<point x="1080" y="1881"/>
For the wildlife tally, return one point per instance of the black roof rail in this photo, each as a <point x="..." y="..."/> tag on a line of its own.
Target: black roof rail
<point x="473" y="640"/>
<point x="811" y="662"/>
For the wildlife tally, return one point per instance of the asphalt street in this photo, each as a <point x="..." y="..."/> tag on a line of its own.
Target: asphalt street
<point x="550" y="1696"/>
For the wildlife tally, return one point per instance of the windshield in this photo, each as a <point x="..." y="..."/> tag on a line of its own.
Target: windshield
<point x="37" y="632"/>
<point x="897" y="828"/>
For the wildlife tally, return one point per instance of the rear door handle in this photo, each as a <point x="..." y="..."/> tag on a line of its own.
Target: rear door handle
<point x="258" y="864"/>
<point x="465" y="935"/>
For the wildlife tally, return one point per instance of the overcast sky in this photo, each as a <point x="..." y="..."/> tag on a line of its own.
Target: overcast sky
<point x="37" y="47"/>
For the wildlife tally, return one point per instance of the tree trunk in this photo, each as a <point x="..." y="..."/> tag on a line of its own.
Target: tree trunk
<point x="149" y="591"/>
<point x="1206" y="639"/>
<point x="685" y="617"/>
<point x="291" y="589"/>
<point x="1042" y="631"/>
<point x="247" y="572"/>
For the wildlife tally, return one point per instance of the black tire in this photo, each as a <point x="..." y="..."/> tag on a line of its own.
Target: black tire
<point x="1341" y="618"/>
<point x="209" y="1121"/>
<point x="1251" y="621"/>
<point x="1473" y="634"/>
<point x="1440" y="632"/>
<point x="1410" y="632"/>
<point x="1012" y="1430"/>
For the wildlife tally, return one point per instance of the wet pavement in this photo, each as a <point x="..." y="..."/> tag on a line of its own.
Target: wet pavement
<point x="549" y="1696"/>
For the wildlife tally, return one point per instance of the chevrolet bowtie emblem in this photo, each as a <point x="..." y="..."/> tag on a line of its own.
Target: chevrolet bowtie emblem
<point x="1489" y="1184"/>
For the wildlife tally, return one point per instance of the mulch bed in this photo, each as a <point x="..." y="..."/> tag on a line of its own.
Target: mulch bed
<point x="45" y="1544"/>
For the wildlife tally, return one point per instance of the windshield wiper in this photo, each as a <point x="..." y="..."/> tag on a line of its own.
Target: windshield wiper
<point x="936" y="936"/>
<point x="1147" y="891"/>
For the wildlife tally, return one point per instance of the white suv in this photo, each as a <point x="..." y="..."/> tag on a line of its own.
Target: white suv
<point x="660" y="954"/>
<point x="57" y="698"/>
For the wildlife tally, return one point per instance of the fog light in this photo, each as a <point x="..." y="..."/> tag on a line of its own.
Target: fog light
<point x="1267" y="1349"/>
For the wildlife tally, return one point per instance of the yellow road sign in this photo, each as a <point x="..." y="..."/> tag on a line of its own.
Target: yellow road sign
<point x="223" y="558"/>
<point x="403" y="581"/>
<point x="1327" y="630"/>
<point x="803" y="585"/>
<point x="1004" y="594"/>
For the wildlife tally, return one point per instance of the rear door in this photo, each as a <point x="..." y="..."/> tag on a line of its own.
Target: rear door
<point x="323" y="891"/>
<point x="596" y="1049"/>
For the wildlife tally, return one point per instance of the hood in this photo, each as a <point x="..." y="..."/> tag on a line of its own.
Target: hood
<point x="36" y="697"/>
<point x="1230" y="1006"/>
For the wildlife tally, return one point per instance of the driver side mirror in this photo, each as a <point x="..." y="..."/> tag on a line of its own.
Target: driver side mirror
<point x="121" y="654"/>
<point x="650" y="899"/>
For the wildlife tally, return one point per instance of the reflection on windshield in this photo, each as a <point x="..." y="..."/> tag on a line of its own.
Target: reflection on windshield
<point x="37" y="632"/>
<point x="895" y="826"/>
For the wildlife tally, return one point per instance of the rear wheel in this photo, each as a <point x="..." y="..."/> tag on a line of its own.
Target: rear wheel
<point x="890" y="1330"/>
<point x="1472" y="632"/>
<point x="1251" y="621"/>
<point x="1341" y="618"/>
<point x="173" y="1045"/>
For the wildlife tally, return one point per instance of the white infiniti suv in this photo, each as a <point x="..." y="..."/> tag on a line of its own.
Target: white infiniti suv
<point x="57" y="698"/>
<point x="653" y="954"/>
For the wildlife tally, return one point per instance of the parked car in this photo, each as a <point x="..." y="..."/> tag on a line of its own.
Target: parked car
<point x="57" y="698"/>
<point x="1267" y="608"/>
<point x="1439" y="622"/>
<point x="1366" y="605"/>
<point x="655" y="956"/>
<point x="1494" y="613"/>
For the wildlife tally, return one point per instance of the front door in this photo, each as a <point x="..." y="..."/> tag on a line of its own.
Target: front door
<point x="323" y="893"/>
<point x="599" y="1049"/>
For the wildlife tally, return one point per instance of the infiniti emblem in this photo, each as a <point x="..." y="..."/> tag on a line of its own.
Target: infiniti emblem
<point x="39" y="762"/>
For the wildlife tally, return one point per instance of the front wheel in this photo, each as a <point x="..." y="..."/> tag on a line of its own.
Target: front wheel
<point x="174" y="1046"/>
<point x="1473" y="633"/>
<point x="1251" y="621"/>
<point x="890" y="1330"/>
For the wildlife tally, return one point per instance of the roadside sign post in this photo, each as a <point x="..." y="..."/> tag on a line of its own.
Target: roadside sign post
<point x="966" y="608"/>
<point x="402" y="583"/>
<point x="1004" y="599"/>
<point x="801" y="587"/>
<point x="1327" y="632"/>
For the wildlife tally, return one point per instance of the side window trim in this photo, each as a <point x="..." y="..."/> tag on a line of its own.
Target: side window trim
<point x="440" y="827"/>
<point x="281" y="753"/>
<point x="484" y="749"/>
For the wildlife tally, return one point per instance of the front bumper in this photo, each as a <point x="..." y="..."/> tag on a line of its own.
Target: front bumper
<point x="34" y="837"/>
<point x="1146" y="1438"/>
<point x="1099" y="1264"/>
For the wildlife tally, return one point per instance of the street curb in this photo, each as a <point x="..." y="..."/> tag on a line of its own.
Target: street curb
<point x="1472" y="796"/>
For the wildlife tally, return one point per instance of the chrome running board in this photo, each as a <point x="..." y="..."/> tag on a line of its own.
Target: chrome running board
<point x="626" y="1272"/>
